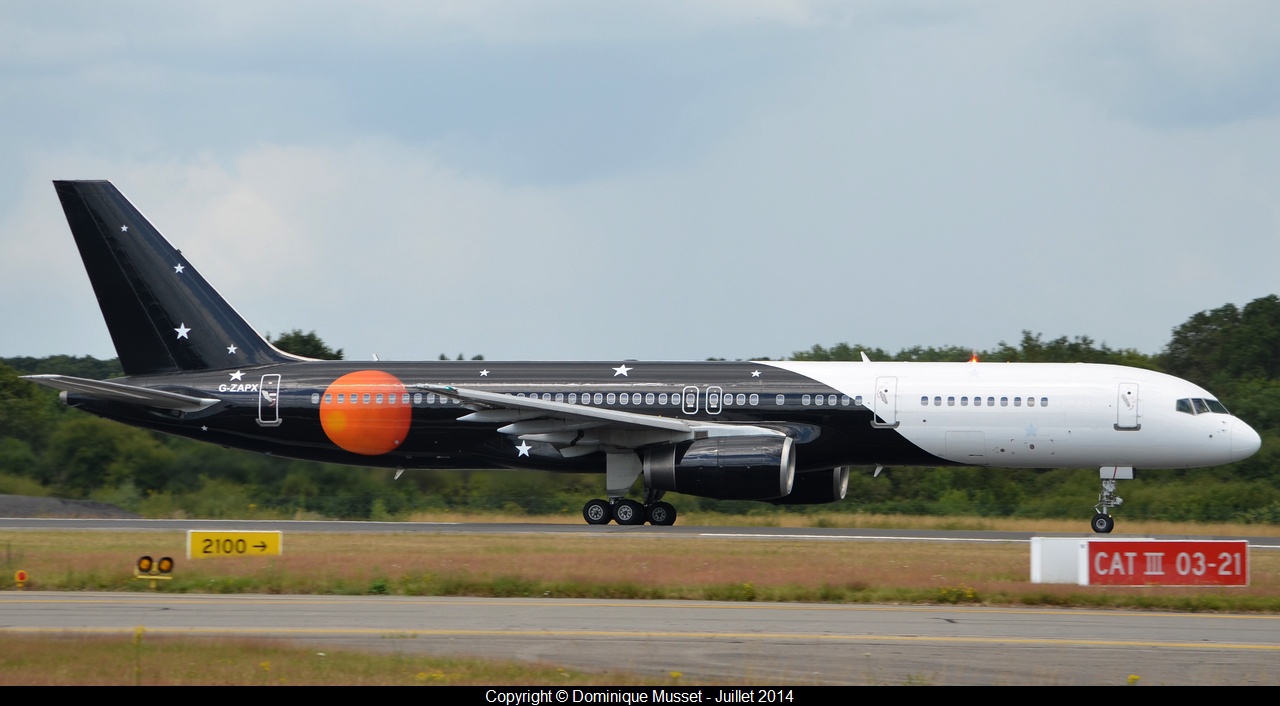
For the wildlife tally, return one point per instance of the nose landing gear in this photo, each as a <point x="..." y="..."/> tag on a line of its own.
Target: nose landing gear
<point x="1102" y="522"/>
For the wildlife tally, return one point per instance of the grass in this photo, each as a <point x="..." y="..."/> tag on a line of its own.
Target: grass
<point x="145" y="660"/>
<point x="614" y="566"/>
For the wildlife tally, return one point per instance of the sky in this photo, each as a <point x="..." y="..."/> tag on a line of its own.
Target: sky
<point x="659" y="180"/>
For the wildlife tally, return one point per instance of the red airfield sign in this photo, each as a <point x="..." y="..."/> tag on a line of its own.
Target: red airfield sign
<point x="1169" y="562"/>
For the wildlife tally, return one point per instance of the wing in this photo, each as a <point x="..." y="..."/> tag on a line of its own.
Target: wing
<point x="577" y="430"/>
<point x="119" y="392"/>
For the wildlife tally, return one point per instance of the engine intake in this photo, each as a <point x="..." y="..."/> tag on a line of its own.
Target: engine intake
<point x="724" y="468"/>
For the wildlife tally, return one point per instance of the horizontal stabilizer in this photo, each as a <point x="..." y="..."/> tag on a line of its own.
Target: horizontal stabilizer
<point x="118" y="392"/>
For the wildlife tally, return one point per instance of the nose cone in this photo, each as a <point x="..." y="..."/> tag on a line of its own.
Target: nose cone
<point x="1244" y="440"/>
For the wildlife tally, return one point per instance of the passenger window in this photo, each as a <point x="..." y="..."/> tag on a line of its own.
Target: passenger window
<point x="991" y="401"/>
<point x="624" y="398"/>
<point x="755" y="399"/>
<point x="315" y="398"/>
<point x="937" y="402"/>
<point x="844" y="400"/>
<point x="1004" y="401"/>
<point x="1031" y="401"/>
<point x="378" y="399"/>
<point x="342" y="397"/>
<point x="858" y="400"/>
<point x="780" y="399"/>
<point x="924" y="401"/>
<point x="599" y="398"/>
<point x="648" y="398"/>
<point x="818" y="402"/>
<point x="366" y="398"/>
<point x="417" y="398"/>
<point x="328" y="397"/>
<point x="1017" y="402"/>
<point x="951" y="401"/>
<point x="559" y="397"/>
<point x="964" y="401"/>
<point x="805" y="399"/>
<point x="662" y="398"/>
<point x="977" y="401"/>
<point x="742" y="399"/>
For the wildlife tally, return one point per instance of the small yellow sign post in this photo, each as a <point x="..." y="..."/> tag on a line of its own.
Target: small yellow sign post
<point x="214" y="544"/>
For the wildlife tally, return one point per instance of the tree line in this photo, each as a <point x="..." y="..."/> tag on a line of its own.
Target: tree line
<point x="49" y="449"/>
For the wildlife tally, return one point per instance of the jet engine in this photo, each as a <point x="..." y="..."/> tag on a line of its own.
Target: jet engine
<point x="724" y="468"/>
<point x="818" y="487"/>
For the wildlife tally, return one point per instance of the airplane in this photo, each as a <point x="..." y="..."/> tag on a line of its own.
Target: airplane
<point x="783" y="432"/>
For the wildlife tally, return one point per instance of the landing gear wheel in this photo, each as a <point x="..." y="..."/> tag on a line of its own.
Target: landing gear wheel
<point x="628" y="512"/>
<point x="597" y="512"/>
<point x="661" y="514"/>
<point x="1103" y="524"/>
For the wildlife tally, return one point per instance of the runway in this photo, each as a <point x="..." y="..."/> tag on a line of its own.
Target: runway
<point x="777" y="644"/>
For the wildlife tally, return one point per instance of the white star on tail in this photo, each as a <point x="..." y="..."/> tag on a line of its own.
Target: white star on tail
<point x="231" y="349"/>
<point x="523" y="448"/>
<point x="177" y="269"/>
<point x="183" y="331"/>
<point x="124" y="229"/>
<point x="622" y="370"/>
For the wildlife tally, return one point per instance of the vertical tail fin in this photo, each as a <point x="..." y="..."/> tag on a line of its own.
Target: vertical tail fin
<point x="162" y="315"/>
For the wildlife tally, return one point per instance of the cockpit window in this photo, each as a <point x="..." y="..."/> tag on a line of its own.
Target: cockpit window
<point x="1196" y="405"/>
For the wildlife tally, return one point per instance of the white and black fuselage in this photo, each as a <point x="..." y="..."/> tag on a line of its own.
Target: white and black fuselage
<point x="783" y="432"/>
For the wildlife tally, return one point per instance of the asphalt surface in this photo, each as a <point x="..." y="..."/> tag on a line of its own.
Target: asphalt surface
<point x="777" y="644"/>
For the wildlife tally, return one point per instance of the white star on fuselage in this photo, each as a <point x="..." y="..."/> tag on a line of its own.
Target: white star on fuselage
<point x="755" y="373"/>
<point x="237" y="375"/>
<point x="231" y="349"/>
<point x="177" y="269"/>
<point x="183" y="331"/>
<point x="124" y="229"/>
<point x="622" y="370"/>
<point x="484" y="373"/>
<point x="523" y="448"/>
<point x="1031" y="430"/>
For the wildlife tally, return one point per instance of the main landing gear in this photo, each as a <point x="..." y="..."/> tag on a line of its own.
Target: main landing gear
<point x="622" y="468"/>
<point x="628" y="512"/>
<point x="1102" y="522"/>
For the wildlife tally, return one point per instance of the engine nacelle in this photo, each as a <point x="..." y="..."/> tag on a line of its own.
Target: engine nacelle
<point x="724" y="468"/>
<point x="818" y="487"/>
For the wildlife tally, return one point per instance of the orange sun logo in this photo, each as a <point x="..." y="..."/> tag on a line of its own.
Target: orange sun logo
<point x="366" y="412"/>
